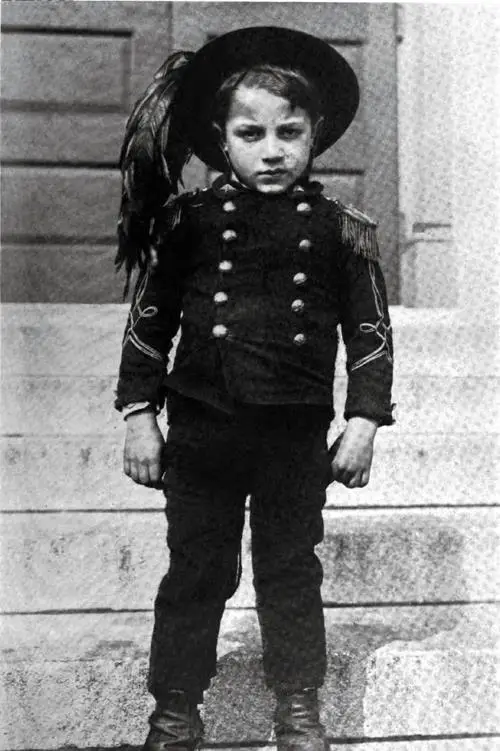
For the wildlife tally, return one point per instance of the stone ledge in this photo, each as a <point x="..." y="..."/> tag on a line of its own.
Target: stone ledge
<point x="65" y="339"/>
<point x="47" y="473"/>
<point x="71" y="405"/>
<point x="438" y="682"/>
<point x="440" y="744"/>
<point x="115" y="560"/>
<point x="472" y="743"/>
<point x="118" y="636"/>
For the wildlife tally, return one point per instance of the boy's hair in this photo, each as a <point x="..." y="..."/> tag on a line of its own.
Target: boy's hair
<point x="283" y="82"/>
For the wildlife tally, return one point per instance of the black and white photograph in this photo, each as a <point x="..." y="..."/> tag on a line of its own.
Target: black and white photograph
<point x="249" y="415"/>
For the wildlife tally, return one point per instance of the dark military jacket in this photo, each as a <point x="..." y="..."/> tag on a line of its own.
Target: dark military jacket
<point x="259" y="284"/>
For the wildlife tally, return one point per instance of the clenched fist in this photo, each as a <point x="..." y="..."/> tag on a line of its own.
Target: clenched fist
<point x="143" y="450"/>
<point x="353" y="459"/>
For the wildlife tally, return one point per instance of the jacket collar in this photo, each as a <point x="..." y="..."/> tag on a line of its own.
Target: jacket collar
<point x="228" y="187"/>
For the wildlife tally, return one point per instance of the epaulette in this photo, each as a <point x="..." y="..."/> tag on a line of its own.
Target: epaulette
<point x="358" y="231"/>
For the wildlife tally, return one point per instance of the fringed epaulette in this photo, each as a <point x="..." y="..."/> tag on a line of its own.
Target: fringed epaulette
<point x="358" y="231"/>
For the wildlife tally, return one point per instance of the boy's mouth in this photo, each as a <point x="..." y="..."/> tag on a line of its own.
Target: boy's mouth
<point x="273" y="172"/>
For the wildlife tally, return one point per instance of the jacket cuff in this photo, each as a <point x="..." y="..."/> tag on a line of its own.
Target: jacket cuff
<point x="380" y="419"/>
<point x="136" y="390"/>
<point x="369" y="393"/>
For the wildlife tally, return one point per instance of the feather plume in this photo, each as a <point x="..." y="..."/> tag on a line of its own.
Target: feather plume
<point x="152" y="158"/>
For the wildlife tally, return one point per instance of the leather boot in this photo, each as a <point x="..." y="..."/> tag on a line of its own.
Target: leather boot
<point x="297" y="724"/>
<point x="175" y="725"/>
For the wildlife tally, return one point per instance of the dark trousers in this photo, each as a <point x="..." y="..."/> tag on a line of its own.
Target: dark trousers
<point x="278" y="456"/>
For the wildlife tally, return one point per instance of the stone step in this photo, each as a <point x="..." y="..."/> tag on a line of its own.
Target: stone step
<point x="476" y="743"/>
<point x="43" y="473"/>
<point x="71" y="560"/>
<point x="72" y="405"/>
<point x="402" y="673"/>
<point x="53" y="339"/>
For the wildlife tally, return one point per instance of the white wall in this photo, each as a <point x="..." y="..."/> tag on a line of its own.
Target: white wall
<point x="448" y="94"/>
<point x="475" y="164"/>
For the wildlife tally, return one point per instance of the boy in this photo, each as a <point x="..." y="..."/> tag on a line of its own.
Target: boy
<point x="259" y="270"/>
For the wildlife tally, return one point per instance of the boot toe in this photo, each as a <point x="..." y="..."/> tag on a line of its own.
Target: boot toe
<point x="297" y="723"/>
<point x="174" y="728"/>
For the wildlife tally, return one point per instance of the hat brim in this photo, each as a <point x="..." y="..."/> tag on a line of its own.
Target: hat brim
<point x="239" y="50"/>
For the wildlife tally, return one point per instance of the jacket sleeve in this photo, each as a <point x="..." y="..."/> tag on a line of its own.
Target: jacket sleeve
<point x="367" y="335"/>
<point x="152" y="323"/>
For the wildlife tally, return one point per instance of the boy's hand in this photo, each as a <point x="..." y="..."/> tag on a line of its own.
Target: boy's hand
<point x="353" y="460"/>
<point x="144" y="444"/>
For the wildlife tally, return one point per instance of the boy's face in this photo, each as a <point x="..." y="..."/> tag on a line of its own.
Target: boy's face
<point x="268" y="142"/>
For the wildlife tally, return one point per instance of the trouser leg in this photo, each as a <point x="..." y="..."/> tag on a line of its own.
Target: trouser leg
<point x="205" y="513"/>
<point x="287" y="524"/>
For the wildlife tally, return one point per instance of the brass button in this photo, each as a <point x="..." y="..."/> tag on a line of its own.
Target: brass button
<point x="304" y="208"/>
<point x="220" y="331"/>
<point x="298" y="306"/>
<point x="305" y="244"/>
<point x="300" y="278"/>
<point x="229" y="235"/>
<point x="225" y="266"/>
<point x="299" y="339"/>
<point x="228" y="206"/>
<point x="220" y="298"/>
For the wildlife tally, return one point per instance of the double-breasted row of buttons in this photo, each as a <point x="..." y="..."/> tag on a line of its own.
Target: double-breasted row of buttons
<point x="300" y="278"/>
<point x="219" y="330"/>
<point x="220" y="298"/>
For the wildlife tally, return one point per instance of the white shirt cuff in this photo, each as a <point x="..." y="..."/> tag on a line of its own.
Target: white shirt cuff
<point x="129" y="409"/>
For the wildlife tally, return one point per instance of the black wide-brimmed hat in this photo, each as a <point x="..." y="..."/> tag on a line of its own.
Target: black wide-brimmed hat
<point x="242" y="49"/>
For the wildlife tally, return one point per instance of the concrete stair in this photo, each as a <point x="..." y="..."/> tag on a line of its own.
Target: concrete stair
<point x="411" y="585"/>
<point x="369" y="556"/>
<point x="393" y="673"/>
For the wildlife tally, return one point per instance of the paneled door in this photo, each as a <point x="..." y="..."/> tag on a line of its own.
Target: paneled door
<point x="71" y="72"/>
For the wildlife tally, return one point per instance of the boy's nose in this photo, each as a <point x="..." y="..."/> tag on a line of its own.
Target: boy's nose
<point x="272" y="150"/>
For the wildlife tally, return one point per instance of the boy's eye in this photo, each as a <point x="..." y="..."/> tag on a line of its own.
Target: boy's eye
<point x="255" y="133"/>
<point x="290" y="132"/>
<point x="249" y="134"/>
